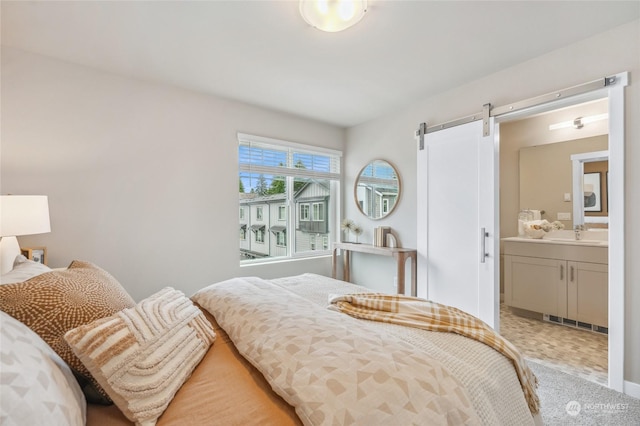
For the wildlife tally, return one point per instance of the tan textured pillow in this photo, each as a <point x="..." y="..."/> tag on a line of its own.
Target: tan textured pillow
<point x="55" y="302"/>
<point x="141" y="356"/>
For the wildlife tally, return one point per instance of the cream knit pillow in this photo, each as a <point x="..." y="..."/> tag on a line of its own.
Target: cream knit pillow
<point x="141" y="356"/>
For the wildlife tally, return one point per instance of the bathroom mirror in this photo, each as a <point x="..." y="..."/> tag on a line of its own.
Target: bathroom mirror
<point x="377" y="189"/>
<point x="547" y="180"/>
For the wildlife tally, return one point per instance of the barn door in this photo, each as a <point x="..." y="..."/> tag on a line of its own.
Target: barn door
<point x="457" y="221"/>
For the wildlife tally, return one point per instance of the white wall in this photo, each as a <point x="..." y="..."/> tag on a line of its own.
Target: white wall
<point x="141" y="177"/>
<point x="391" y="137"/>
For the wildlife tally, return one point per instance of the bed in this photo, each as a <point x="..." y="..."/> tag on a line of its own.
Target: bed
<point x="279" y="356"/>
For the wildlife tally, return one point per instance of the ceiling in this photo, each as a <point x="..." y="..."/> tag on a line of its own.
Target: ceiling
<point x="263" y="53"/>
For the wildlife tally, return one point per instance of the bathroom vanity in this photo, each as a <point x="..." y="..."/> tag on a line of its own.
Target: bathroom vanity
<point x="561" y="277"/>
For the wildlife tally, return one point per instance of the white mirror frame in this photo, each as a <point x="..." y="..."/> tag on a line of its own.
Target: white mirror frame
<point x="578" y="161"/>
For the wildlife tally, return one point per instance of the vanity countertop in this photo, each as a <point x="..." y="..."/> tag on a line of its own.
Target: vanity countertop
<point x="560" y="240"/>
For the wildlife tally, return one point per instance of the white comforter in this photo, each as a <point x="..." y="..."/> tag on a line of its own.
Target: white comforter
<point x="335" y="369"/>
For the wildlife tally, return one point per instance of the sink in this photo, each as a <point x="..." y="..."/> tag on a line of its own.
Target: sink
<point x="573" y="240"/>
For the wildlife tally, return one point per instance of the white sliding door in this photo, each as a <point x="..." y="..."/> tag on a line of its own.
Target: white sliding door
<point x="457" y="184"/>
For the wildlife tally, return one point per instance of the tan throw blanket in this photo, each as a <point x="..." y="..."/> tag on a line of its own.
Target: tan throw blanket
<point x="427" y="315"/>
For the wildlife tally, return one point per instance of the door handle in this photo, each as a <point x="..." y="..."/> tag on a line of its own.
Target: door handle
<point x="483" y="249"/>
<point x="571" y="274"/>
<point x="561" y="272"/>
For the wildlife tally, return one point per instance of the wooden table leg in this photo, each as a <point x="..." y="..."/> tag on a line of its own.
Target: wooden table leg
<point x="401" y="259"/>
<point x="414" y="274"/>
<point x="346" y="269"/>
<point x="333" y="263"/>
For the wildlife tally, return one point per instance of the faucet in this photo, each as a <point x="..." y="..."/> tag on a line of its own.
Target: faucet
<point x="578" y="230"/>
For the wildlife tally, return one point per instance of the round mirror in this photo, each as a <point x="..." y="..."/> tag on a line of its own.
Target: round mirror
<point x="377" y="189"/>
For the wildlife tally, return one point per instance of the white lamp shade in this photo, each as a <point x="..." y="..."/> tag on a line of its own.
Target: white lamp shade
<point x="332" y="15"/>
<point x="24" y="215"/>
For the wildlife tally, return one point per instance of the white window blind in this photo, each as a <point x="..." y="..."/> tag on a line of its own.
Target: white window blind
<point x="258" y="155"/>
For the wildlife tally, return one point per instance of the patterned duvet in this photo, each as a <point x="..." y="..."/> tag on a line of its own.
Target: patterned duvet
<point x="335" y="369"/>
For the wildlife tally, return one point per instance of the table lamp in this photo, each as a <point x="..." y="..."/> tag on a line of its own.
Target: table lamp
<point x="20" y="215"/>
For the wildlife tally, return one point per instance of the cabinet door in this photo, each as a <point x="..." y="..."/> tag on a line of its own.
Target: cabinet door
<point x="588" y="288"/>
<point x="535" y="284"/>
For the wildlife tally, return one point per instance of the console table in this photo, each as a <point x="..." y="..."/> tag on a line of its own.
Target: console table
<point x="399" y="254"/>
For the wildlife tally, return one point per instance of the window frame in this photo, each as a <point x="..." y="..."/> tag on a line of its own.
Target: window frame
<point x="319" y="210"/>
<point x="307" y="208"/>
<point x="323" y="166"/>
<point x="385" y="205"/>
<point x="259" y="232"/>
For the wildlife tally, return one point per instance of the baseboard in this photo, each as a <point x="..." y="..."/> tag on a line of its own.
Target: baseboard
<point x="632" y="389"/>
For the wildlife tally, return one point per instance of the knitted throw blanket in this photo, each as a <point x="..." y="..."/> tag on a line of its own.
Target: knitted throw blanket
<point x="421" y="313"/>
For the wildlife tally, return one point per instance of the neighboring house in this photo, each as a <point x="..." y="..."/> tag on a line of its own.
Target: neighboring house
<point x="312" y="217"/>
<point x="264" y="222"/>
<point x="376" y="201"/>
<point x="260" y="224"/>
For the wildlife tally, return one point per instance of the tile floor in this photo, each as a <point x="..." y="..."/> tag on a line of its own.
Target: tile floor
<point x="578" y="352"/>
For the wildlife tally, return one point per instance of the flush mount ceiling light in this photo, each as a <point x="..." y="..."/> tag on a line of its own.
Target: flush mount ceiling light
<point x="579" y="122"/>
<point x="332" y="15"/>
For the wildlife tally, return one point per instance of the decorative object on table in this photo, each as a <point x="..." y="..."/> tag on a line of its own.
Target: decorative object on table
<point x="391" y="241"/>
<point x="37" y="254"/>
<point x="349" y="226"/>
<point x="20" y="215"/>
<point x="538" y="228"/>
<point x="380" y="236"/>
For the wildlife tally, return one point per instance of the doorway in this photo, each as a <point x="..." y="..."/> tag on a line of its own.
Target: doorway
<point x="537" y="174"/>
<point x="612" y="88"/>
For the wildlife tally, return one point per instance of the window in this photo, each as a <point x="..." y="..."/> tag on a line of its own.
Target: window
<point x="304" y="212"/>
<point x="294" y="190"/>
<point x="318" y="212"/>
<point x="243" y="233"/>
<point x="385" y="205"/>
<point x="241" y="213"/>
<point x="260" y="235"/>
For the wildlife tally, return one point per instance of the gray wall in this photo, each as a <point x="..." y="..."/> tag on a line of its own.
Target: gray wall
<point x="391" y="137"/>
<point x="141" y="177"/>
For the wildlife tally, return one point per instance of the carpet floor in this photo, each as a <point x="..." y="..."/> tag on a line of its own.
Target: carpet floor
<point x="569" y="400"/>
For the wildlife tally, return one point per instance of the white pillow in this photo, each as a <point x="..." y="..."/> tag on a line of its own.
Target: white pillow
<point x="23" y="269"/>
<point x="36" y="385"/>
<point x="141" y="356"/>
